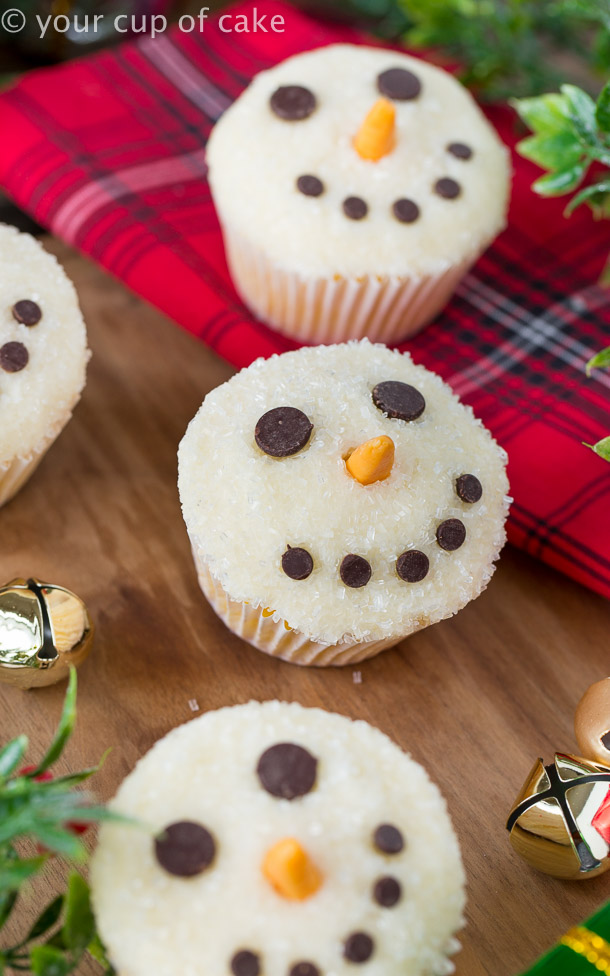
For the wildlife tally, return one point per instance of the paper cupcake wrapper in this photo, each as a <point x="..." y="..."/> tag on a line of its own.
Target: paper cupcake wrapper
<point x="15" y="473"/>
<point x="335" y="309"/>
<point x="266" y="630"/>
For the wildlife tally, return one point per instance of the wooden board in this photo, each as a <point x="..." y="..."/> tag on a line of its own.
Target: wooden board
<point x="475" y="698"/>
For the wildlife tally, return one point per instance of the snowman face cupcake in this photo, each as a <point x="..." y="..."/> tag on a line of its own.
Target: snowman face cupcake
<point x="43" y="347"/>
<point x="345" y="489"/>
<point x="356" y="161"/>
<point x="279" y="841"/>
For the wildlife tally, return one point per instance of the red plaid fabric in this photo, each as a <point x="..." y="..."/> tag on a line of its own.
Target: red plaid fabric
<point x="109" y="153"/>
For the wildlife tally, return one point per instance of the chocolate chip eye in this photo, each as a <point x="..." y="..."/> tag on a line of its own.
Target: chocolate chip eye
<point x="358" y="947"/>
<point x="287" y="770"/>
<point x="406" y="211"/>
<point x="398" y="400"/>
<point x="304" y="969"/>
<point x="13" y="357"/>
<point x="447" y="188"/>
<point x="27" y="312"/>
<point x="355" y="571"/>
<point x="297" y="563"/>
<point x="399" y="84"/>
<point x="388" y="839"/>
<point x="460" y="150"/>
<point x="387" y="892"/>
<point x="451" y="534"/>
<point x="245" y="963"/>
<point x="468" y="488"/>
<point x="355" y="208"/>
<point x="412" y="566"/>
<point x="605" y="740"/>
<point x="283" y="431"/>
<point x="185" y="849"/>
<point x="293" y="103"/>
<point x="310" y="186"/>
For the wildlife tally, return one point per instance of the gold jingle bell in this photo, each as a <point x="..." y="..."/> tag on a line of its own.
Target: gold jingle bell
<point x="560" y="822"/>
<point x="592" y="722"/>
<point x="44" y="629"/>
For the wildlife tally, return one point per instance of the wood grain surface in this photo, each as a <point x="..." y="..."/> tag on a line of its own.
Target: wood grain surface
<point x="475" y="699"/>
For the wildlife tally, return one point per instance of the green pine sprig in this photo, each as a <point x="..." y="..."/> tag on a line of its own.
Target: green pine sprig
<point x="601" y="360"/>
<point x="45" y="813"/>
<point x="571" y="133"/>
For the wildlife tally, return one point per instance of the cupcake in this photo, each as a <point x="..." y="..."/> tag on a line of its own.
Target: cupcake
<point x="337" y="499"/>
<point x="281" y="841"/>
<point x="43" y="355"/>
<point x="355" y="187"/>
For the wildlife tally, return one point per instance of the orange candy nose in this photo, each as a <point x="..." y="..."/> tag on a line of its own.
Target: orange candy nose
<point x="376" y="134"/>
<point x="372" y="461"/>
<point x="289" y="869"/>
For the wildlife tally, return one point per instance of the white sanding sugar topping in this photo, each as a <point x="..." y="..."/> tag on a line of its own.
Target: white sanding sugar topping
<point x="243" y="508"/>
<point x="256" y="158"/>
<point x="36" y="400"/>
<point x="205" y="772"/>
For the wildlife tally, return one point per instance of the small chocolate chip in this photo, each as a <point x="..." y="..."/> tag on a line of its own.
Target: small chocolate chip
<point x="451" y="534"/>
<point x="310" y="186"/>
<point x="283" y="431"/>
<point x="412" y="566"/>
<point x="387" y="892"/>
<point x="605" y="740"/>
<point x="468" y="488"/>
<point x="297" y="563"/>
<point x="358" y="947"/>
<point x="13" y="357"/>
<point x="447" y="188"/>
<point x="27" y="312"/>
<point x="293" y="102"/>
<point x="460" y="150"/>
<point x="304" y="969"/>
<point x="355" y="208"/>
<point x="399" y="84"/>
<point x="245" y="963"/>
<point x="355" y="571"/>
<point x="406" y="211"/>
<point x="287" y="770"/>
<point x="399" y="400"/>
<point x="185" y="849"/>
<point x="388" y="839"/>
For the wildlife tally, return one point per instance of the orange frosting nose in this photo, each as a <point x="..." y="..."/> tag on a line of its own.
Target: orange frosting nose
<point x="375" y="137"/>
<point x="372" y="461"/>
<point x="289" y="869"/>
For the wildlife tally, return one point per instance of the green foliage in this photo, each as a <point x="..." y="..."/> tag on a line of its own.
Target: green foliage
<point x="571" y="132"/>
<point x="40" y="810"/>
<point x="601" y="360"/>
<point x="505" y="47"/>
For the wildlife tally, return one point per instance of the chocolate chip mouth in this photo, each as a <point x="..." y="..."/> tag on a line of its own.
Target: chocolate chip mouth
<point x="13" y="357"/>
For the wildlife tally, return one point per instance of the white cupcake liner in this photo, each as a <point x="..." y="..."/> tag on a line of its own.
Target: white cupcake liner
<point x="267" y="631"/>
<point x="382" y="308"/>
<point x="15" y="473"/>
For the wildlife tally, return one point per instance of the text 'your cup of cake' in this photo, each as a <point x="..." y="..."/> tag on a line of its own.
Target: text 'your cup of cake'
<point x="338" y="499"/>
<point x="43" y="355"/>
<point x="355" y="187"/>
<point x="275" y="840"/>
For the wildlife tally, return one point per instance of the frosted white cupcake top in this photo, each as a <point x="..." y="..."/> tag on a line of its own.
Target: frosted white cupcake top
<point x="339" y="782"/>
<point x="257" y="156"/>
<point x="43" y="345"/>
<point x="243" y="507"/>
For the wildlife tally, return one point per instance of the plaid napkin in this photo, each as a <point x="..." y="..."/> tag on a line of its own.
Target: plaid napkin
<point x="108" y="152"/>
